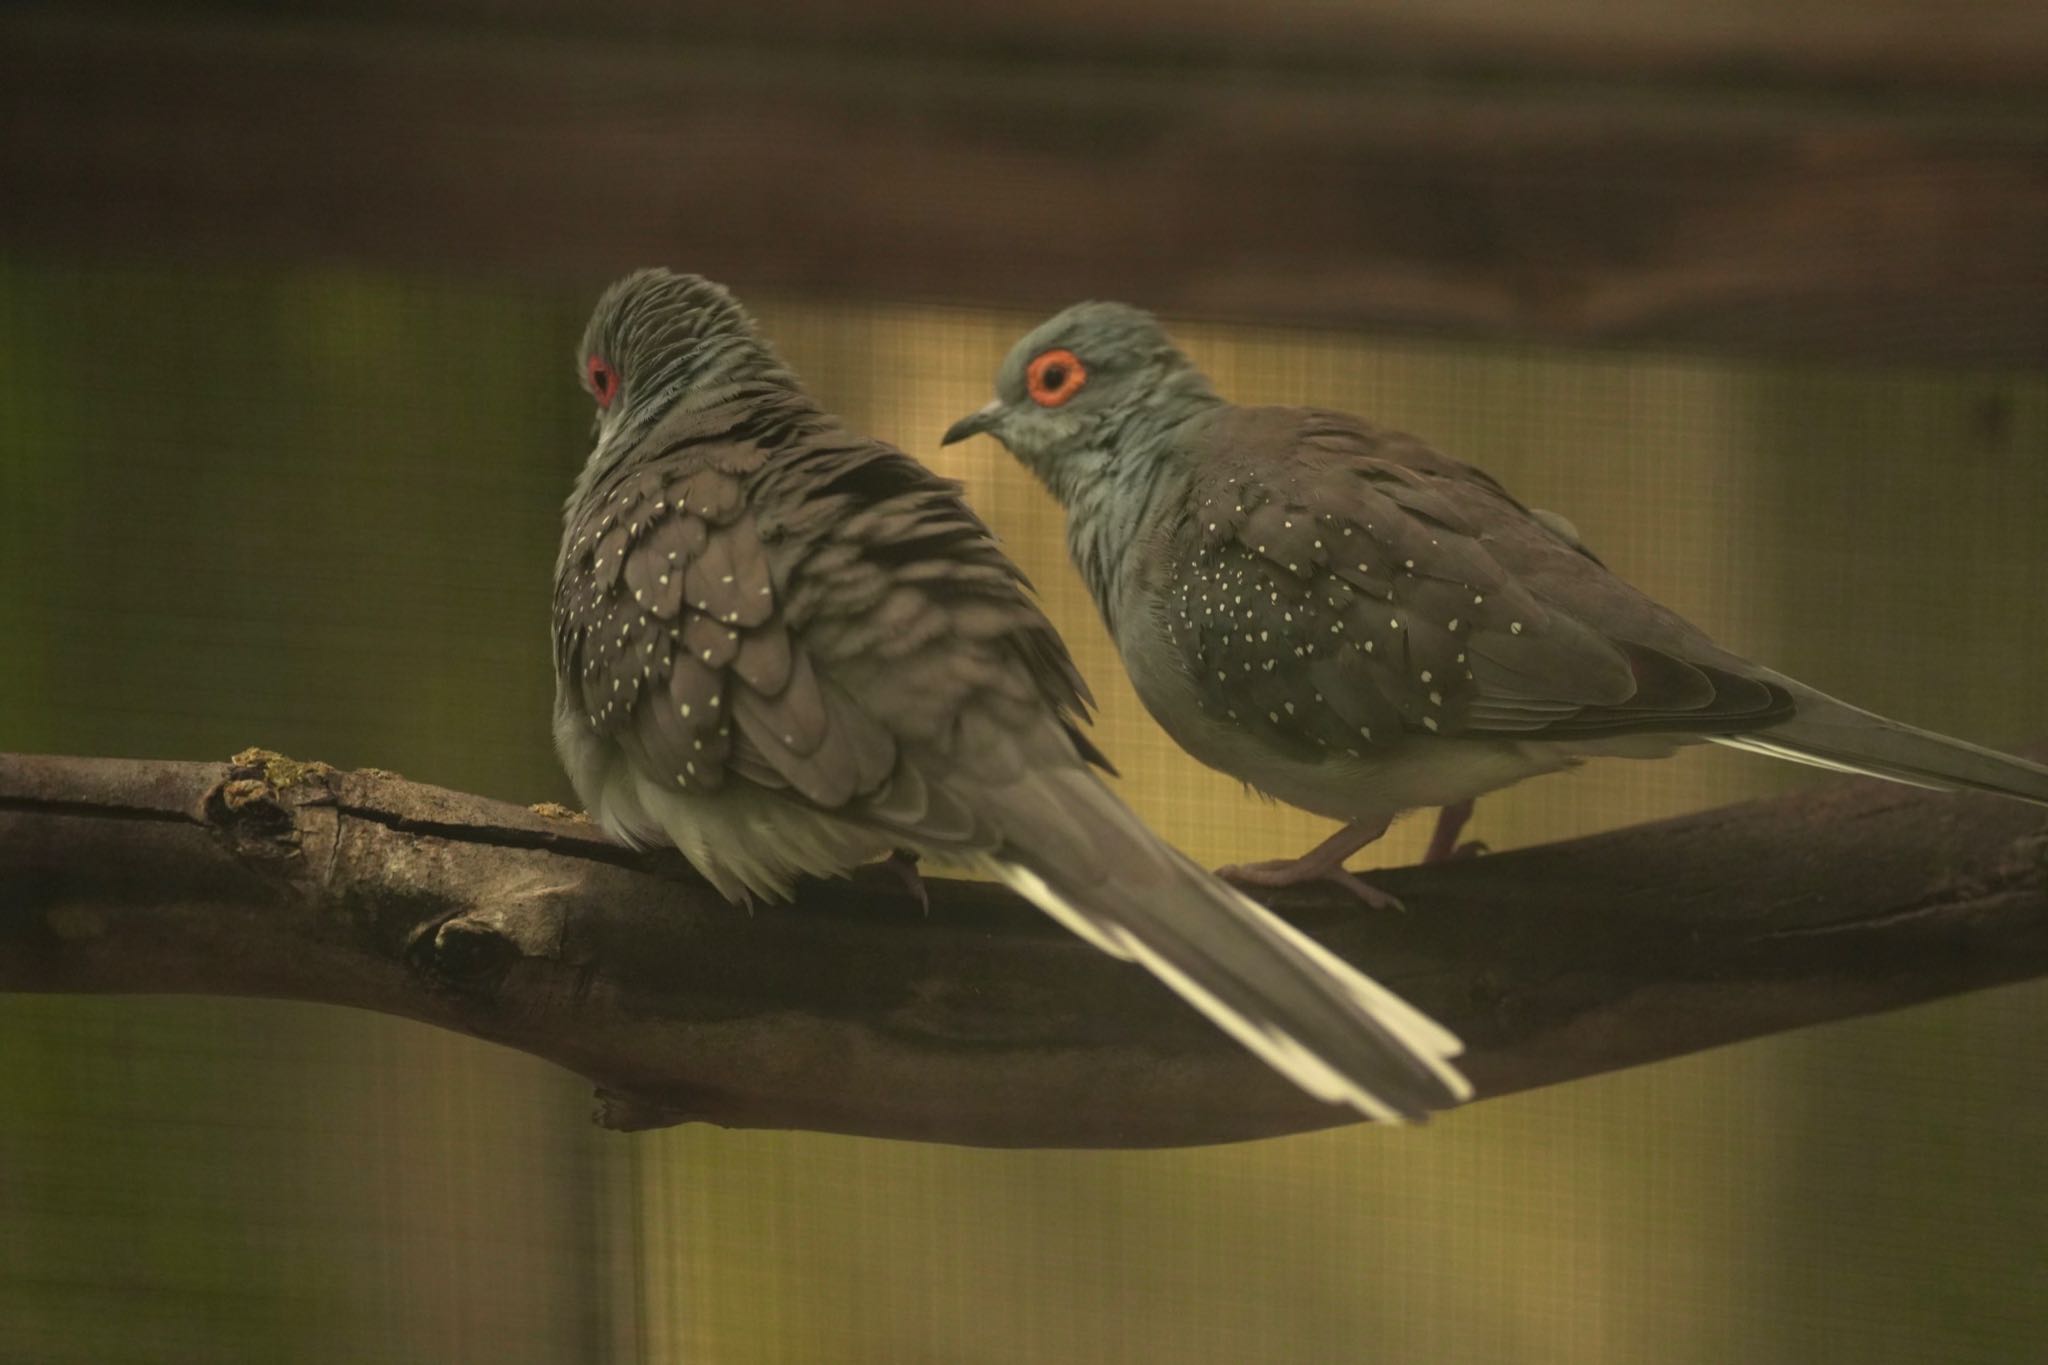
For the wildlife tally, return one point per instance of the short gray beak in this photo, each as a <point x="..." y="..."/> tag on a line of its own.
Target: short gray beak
<point x="973" y="424"/>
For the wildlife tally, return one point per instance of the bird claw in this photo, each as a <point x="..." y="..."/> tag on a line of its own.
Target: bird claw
<point x="1287" y="872"/>
<point x="900" y="867"/>
<point x="1372" y="896"/>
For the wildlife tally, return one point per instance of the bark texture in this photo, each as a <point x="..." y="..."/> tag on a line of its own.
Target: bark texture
<point x="978" y="1021"/>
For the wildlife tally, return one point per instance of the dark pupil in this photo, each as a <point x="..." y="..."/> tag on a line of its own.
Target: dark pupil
<point x="1055" y="377"/>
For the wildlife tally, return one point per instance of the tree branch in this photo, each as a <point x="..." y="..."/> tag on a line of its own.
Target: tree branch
<point x="979" y="1022"/>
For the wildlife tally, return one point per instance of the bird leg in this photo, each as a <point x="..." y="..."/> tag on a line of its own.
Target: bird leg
<point x="1323" y="863"/>
<point x="1450" y="822"/>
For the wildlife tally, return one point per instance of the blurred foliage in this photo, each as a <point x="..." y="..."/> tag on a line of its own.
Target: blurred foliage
<point x="302" y="511"/>
<point x="317" y="511"/>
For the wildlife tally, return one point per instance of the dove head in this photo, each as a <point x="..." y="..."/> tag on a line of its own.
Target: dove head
<point x="659" y="340"/>
<point x="1087" y="393"/>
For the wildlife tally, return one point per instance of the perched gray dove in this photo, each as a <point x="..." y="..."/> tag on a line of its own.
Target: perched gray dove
<point x="1352" y="623"/>
<point x="785" y="649"/>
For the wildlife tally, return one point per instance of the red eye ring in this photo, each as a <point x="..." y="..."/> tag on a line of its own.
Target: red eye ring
<point x="1054" y="376"/>
<point x="604" y="380"/>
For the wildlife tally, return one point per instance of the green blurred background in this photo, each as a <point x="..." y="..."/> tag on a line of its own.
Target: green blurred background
<point x="316" y="509"/>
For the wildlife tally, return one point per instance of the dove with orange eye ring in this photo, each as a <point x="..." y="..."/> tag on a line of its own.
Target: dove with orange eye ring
<point x="1345" y="619"/>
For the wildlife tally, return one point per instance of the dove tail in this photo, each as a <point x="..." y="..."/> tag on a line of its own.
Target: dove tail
<point x="1310" y="1015"/>
<point x="1827" y="733"/>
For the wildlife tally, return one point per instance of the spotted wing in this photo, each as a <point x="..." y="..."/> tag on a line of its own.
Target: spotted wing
<point x="666" y="621"/>
<point x="784" y="604"/>
<point x="1340" y="588"/>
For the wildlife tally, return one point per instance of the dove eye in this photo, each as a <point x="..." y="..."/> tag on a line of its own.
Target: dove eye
<point x="1054" y="376"/>
<point x="604" y="381"/>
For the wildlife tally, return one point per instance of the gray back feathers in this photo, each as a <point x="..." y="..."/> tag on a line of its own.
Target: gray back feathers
<point x="737" y="568"/>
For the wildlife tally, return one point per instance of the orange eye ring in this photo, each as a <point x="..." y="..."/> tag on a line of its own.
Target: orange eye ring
<point x="604" y="380"/>
<point x="1054" y="376"/>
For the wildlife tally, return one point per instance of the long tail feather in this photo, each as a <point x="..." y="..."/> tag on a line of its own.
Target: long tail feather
<point x="1310" y="1015"/>
<point x="1831" y="734"/>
